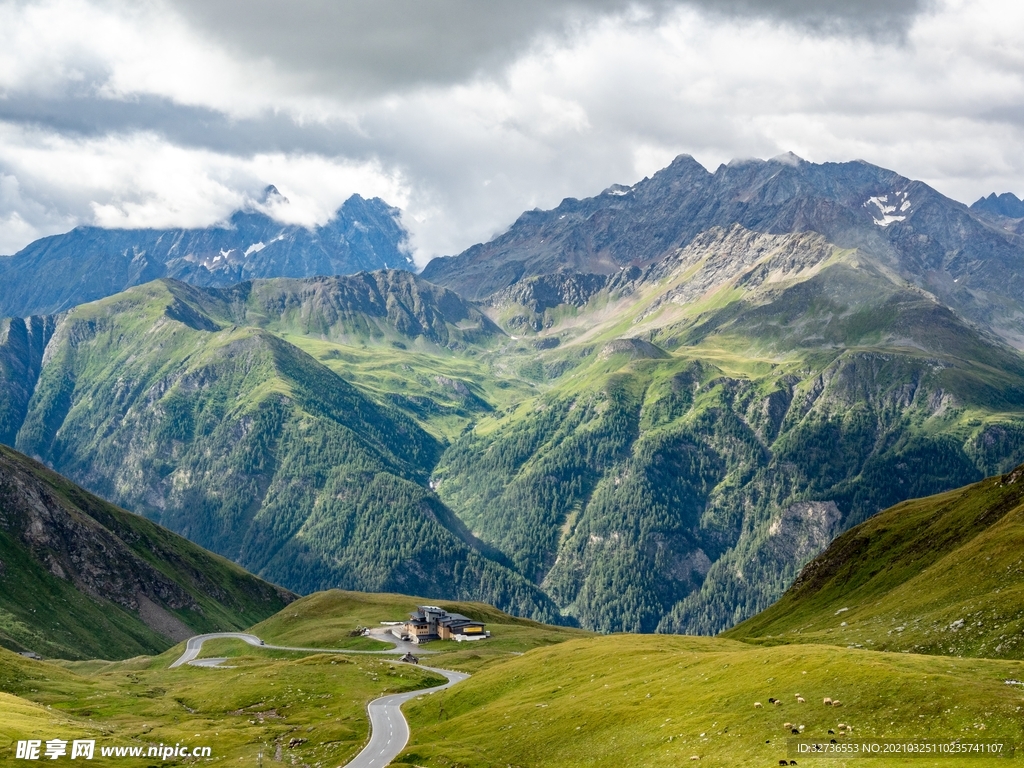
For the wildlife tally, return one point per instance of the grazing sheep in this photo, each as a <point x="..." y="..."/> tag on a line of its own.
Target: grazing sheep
<point x="837" y="703"/>
<point x="799" y="699"/>
<point x="778" y="703"/>
<point x="842" y="726"/>
<point x="832" y="741"/>
<point x="757" y="705"/>
<point x="795" y="731"/>
<point x="787" y="725"/>
<point x="783" y="762"/>
<point x="827" y="702"/>
<point x="695" y="757"/>
<point x="831" y="732"/>
<point x="771" y="700"/>
<point x="802" y="727"/>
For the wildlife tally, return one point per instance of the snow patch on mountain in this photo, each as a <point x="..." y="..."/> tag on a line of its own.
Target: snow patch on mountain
<point x="887" y="213"/>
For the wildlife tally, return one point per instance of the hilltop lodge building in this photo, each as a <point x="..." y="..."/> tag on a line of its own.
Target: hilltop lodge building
<point x="428" y="622"/>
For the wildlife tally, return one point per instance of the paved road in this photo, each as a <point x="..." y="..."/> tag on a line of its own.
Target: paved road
<point x="195" y="645"/>
<point x="389" y="731"/>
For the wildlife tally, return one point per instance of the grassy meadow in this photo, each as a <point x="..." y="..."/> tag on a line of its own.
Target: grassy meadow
<point x="539" y="696"/>
<point x="297" y="708"/>
<point x="652" y="701"/>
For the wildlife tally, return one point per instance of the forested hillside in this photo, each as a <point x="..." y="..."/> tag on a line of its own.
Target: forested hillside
<point x="774" y="392"/>
<point x="248" y="446"/>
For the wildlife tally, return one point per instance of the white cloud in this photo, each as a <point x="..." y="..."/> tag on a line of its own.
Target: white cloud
<point x="610" y="98"/>
<point x="141" y="180"/>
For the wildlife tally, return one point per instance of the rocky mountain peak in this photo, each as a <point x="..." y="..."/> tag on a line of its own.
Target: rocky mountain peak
<point x="957" y="254"/>
<point x="1007" y="205"/>
<point x="271" y="195"/>
<point x="90" y="263"/>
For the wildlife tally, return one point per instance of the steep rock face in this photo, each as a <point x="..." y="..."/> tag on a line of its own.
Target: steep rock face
<point x="89" y="263"/>
<point x="1007" y="205"/>
<point x="549" y="291"/>
<point x="22" y="343"/>
<point x="929" y="240"/>
<point x="81" y="577"/>
<point x="78" y="549"/>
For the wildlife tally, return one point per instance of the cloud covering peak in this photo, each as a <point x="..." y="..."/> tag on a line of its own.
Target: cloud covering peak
<point x="175" y="112"/>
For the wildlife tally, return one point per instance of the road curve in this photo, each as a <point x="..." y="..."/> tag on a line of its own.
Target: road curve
<point x="195" y="645"/>
<point x="389" y="731"/>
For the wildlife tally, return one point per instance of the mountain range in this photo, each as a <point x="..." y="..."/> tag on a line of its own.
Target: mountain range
<point x="921" y="236"/>
<point x="89" y="263"/>
<point x="643" y="411"/>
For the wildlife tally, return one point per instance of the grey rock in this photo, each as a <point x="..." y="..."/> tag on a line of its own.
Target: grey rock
<point x="90" y="263"/>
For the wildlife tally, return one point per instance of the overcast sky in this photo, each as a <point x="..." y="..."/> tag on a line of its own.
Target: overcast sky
<point x="464" y="113"/>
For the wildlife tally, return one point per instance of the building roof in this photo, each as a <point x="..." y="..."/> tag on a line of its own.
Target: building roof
<point x="419" y="617"/>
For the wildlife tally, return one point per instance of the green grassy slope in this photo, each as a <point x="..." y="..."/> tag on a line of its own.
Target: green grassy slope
<point x="538" y="696"/>
<point x="939" y="575"/>
<point x="304" y="708"/>
<point x="298" y="708"/>
<point x="76" y="571"/>
<point x="325" y="619"/>
<point x="659" y="701"/>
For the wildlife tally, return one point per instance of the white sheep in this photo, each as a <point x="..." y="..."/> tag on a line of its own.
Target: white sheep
<point x="799" y="699"/>
<point x="827" y="702"/>
<point x="757" y="705"/>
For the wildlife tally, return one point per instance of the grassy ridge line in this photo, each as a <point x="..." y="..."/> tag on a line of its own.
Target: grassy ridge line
<point x="323" y="619"/>
<point x="942" y="574"/>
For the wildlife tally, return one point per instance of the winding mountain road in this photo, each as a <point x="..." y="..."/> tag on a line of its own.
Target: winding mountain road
<point x="389" y="730"/>
<point x="195" y="645"/>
